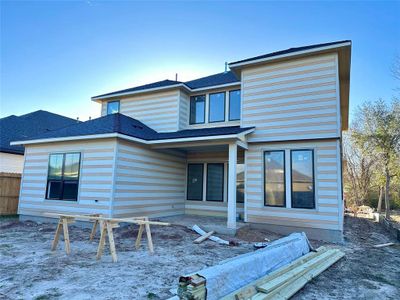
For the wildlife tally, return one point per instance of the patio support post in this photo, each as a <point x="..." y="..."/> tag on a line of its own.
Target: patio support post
<point x="232" y="186"/>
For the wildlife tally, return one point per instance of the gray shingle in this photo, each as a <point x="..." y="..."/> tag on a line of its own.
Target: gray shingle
<point x="14" y="128"/>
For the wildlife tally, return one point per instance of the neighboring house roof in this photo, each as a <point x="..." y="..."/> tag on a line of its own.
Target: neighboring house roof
<point x="23" y="127"/>
<point x="122" y="124"/>
<point x="204" y="82"/>
<point x="288" y="51"/>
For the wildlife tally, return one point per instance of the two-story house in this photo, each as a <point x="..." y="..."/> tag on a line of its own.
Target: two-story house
<point x="261" y="142"/>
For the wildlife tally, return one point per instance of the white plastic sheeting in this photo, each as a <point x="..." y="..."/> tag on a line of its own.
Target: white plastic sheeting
<point x="236" y="272"/>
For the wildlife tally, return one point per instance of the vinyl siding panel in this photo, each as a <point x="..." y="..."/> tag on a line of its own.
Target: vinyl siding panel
<point x="11" y="163"/>
<point x="148" y="182"/>
<point x="184" y="109"/>
<point x="292" y="100"/>
<point x="327" y="177"/>
<point x="95" y="181"/>
<point x="157" y="110"/>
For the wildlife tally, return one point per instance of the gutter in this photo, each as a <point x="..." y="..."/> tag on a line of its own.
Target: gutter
<point x="180" y="85"/>
<point x="133" y="139"/>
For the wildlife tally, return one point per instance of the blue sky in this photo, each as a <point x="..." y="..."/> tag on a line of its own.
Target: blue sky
<point x="56" y="55"/>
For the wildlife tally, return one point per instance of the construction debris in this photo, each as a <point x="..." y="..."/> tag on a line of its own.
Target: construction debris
<point x="211" y="237"/>
<point x="286" y="281"/>
<point x="232" y="274"/>
<point x="203" y="237"/>
<point x="192" y="287"/>
<point x="384" y="245"/>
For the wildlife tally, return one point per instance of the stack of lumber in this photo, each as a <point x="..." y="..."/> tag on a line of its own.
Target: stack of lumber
<point x="284" y="282"/>
<point x="192" y="288"/>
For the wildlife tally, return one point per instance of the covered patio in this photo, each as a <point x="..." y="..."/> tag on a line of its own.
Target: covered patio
<point x="215" y="182"/>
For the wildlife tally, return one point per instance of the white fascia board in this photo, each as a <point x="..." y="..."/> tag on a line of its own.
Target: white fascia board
<point x="129" y="138"/>
<point x="64" y="139"/>
<point x="142" y="91"/>
<point x="212" y="87"/>
<point x="180" y="85"/>
<point x="323" y="48"/>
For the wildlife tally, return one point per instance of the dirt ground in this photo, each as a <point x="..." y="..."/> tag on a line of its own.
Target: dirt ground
<point x="29" y="270"/>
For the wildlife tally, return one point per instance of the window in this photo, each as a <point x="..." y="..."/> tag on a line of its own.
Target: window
<point x="274" y="178"/>
<point x="112" y="107"/>
<point x="217" y="107"/>
<point x="302" y="173"/>
<point x="195" y="182"/>
<point x="63" y="176"/>
<point x="197" y="109"/>
<point x="215" y="182"/>
<point x="234" y="105"/>
<point x="240" y="183"/>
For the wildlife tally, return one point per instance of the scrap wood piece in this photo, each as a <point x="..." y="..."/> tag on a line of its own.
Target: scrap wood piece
<point x="384" y="245"/>
<point x="203" y="237"/>
<point x="213" y="238"/>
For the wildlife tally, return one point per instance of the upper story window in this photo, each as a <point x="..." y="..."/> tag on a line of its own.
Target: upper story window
<point x="216" y="111"/>
<point x="197" y="109"/>
<point x="112" y="107"/>
<point x="234" y="105"/>
<point x="63" y="176"/>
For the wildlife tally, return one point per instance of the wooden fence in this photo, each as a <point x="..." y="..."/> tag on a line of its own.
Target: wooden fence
<point x="9" y="193"/>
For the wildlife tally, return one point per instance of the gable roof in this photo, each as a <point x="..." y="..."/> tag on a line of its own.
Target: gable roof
<point x="204" y="82"/>
<point x="287" y="51"/>
<point x="213" y="80"/>
<point x="122" y="124"/>
<point x="155" y="85"/>
<point x="22" y="127"/>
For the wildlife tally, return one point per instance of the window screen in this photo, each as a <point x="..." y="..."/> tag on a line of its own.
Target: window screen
<point x="234" y="105"/>
<point x="215" y="182"/>
<point x="274" y="178"/>
<point x="197" y="109"/>
<point x="217" y="107"/>
<point x="302" y="169"/>
<point x="195" y="182"/>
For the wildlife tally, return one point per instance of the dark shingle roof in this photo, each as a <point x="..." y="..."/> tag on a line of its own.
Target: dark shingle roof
<point x="14" y="128"/>
<point x="158" y="84"/>
<point x="287" y="51"/>
<point x="119" y="123"/>
<point x="212" y="80"/>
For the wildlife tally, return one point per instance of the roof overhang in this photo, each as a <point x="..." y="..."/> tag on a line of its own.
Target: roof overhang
<point x="164" y="88"/>
<point x="344" y="57"/>
<point x="239" y="136"/>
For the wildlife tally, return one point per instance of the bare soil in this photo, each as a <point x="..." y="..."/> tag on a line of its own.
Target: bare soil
<point x="29" y="270"/>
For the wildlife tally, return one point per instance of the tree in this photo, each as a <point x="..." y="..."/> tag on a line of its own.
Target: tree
<point x="358" y="170"/>
<point x="377" y="127"/>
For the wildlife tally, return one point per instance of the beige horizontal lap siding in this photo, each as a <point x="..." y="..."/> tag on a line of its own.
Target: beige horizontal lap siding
<point x="95" y="181"/>
<point x="157" y="110"/>
<point x="327" y="214"/>
<point x="292" y="100"/>
<point x="148" y="182"/>
<point x="184" y="108"/>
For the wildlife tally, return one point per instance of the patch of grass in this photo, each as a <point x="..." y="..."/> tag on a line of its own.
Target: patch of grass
<point x="152" y="296"/>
